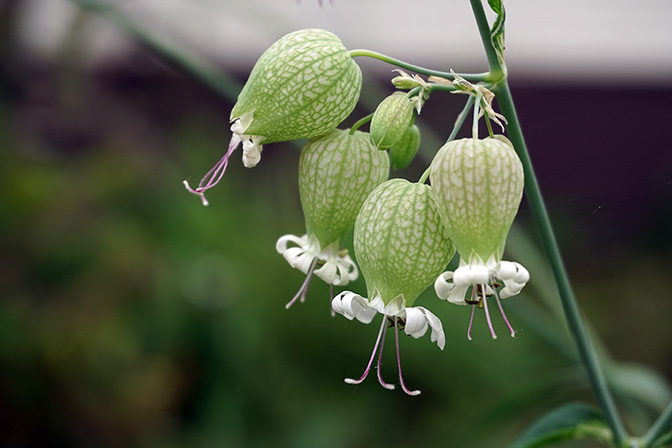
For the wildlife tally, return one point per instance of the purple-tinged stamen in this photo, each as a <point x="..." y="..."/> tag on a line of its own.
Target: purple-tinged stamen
<point x="401" y="377"/>
<point x="380" y="360"/>
<point x="471" y="321"/>
<point x="501" y="309"/>
<point x="487" y="313"/>
<point x="215" y="174"/>
<point x="373" y="354"/>
<point x="304" y="288"/>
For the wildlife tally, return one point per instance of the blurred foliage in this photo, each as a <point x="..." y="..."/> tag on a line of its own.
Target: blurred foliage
<point x="131" y="316"/>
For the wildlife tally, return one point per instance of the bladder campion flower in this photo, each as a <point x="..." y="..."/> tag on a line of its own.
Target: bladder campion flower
<point x="478" y="186"/>
<point x="401" y="247"/>
<point x="336" y="173"/>
<point x="304" y="85"/>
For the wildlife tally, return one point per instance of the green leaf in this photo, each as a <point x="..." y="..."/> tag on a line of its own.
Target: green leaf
<point x="497" y="30"/>
<point x="664" y="442"/>
<point x="496" y="6"/>
<point x="570" y="421"/>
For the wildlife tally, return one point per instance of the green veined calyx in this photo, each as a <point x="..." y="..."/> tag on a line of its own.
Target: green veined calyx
<point x="303" y="86"/>
<point x="401" y="246"/>
<point x="390" y="120"/>
<point x="337" y="171"/>
<point x="478" y="185"/>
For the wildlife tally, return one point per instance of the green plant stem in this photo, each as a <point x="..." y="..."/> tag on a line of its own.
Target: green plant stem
<point x="477" y="77"/>
<point x="359" y="123"/>
<point x="659" y="427"/>
<point x="538" y="208"/>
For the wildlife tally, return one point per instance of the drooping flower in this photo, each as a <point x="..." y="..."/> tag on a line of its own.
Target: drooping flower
<point x="337" y="171"/>
<point x="303" y="86"/>
<point x="401" y="247"/>
<point x="478" y="185"/>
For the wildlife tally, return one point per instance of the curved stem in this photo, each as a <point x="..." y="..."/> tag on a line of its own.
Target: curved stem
<point x="659" y="427"/>
<point x="359" y="123"/>
<point x="484" y="31"/>
<point x="476" y="77"/>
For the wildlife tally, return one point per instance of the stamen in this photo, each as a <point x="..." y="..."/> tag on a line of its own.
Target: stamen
<point x="380" y="358"/>
<point x="471" y="321"/>
<point x="501" y="309"/>
<point x="401" y="378"/>
<point x="373" y="354"/>
<point x="304" y="288"/>
<point x="215" y="174"/>
<point x="487" y="314"/>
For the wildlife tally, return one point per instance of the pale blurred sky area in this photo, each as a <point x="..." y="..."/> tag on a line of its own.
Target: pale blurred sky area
<point x="576" y="40"/>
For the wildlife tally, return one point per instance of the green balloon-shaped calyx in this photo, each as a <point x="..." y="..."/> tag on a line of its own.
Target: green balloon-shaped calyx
<point x="478" y="185"/>
<point x="405" y="149"/>
<point x="390" y="120"/>
<point x="337" y="171"/>
<point x="399" y="241"/>
<point x="304" y="85"/>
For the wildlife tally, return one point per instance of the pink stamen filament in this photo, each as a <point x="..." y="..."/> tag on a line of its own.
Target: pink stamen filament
<point x="471" y="321"/>
<point x="304" y="288"/>
<point x="487" y="313"/>
<point x="401" y="377"/>
<point x="215" y="174"/>
<point x="501" y="309"/>
<point x="380" y="359"/>
<point x="373" y="354"/>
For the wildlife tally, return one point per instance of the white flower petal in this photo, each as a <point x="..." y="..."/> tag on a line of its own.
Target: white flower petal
<point x="281" y="245"/>
<point x="515" y="277"/>
<point x="328" y="273"/>
<point x="251" y="153"/>
<point x="353" y="305"/>
<point x="450" y="291"/>
<point x="471" y="274"/>
<point x="395" y="307"/>
<point x="418" y="319"/>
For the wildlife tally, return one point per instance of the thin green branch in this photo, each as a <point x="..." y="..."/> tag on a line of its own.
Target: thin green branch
<point x="662" y="425"/>
<point x="359" y="123"/>
<point x="477" y="77"/>
<point x="538" y="208"/>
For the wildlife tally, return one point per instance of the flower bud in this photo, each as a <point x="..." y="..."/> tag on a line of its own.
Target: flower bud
<point x="337" y="171"/>
<point x="405" y="149"/>
<point x="400" y="244"/>
<point x="304" y="85"/>
<point x="390" y="120"/>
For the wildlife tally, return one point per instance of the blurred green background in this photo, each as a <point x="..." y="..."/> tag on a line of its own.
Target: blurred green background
<point x="131" y="316"/>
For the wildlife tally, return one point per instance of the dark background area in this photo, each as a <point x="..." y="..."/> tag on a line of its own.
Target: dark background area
<point x="131" y="316"/>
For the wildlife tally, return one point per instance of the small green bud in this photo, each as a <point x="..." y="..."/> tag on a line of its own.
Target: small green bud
<point x="390" y="120"/>
<point x="400" y="244"/>
<point x="337" y="171"/>
<point x="304" y="85"/>
<point x="405" y="149"/>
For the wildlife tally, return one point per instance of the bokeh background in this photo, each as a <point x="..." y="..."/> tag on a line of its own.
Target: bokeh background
<point x="131" y="316"/>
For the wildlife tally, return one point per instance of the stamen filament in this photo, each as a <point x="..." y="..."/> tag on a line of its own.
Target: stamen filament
<point x="487" y="313"/>
<point x="401" y="377"/>
<point x="471" y="321"/>
<point x="331" y="298"/>
<point x="373" y="354"/>
<point x="380" y="358"/>
<point x="304" y="288"/>
<point x="501" y="309"/>
<point x="215" y="174"/>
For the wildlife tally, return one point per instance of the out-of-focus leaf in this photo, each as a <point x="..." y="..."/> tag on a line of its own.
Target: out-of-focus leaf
<point x="639" y="382"/>
<point x="664" y="442"/>
<point x="570" y="421"/>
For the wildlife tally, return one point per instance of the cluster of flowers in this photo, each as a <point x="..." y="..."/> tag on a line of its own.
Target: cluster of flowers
<point x="405" y="234"/>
